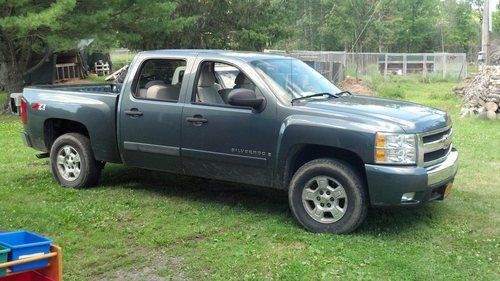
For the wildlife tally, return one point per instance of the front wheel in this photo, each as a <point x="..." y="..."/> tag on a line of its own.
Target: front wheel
<point x="73" y="163"/>
<point x="328" y="195"/>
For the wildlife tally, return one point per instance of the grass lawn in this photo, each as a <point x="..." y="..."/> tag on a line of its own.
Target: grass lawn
<point x="142" y="225"/>
<point x="120" y="59"/>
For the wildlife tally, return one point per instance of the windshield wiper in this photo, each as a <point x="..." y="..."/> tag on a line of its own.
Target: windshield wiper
<point x="343" y="93"/>
<point x="314" y="95"/>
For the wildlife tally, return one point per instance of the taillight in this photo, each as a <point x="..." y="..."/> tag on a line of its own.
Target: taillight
<point x="24" y="113"/>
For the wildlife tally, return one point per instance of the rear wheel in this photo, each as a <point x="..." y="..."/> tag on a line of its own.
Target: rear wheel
<point x="327" y="195"/>
<point x="73" y="163"/>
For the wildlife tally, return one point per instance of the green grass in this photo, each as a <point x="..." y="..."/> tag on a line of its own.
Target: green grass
<point x="144" y="224"/>
<point x="3" y="97"/>
<point x="121" y="59"/>
<point x="97" y="79"/>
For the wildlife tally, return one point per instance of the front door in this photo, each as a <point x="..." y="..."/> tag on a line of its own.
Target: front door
<point x="150" y="118"/>
<point x="222" y="141"/>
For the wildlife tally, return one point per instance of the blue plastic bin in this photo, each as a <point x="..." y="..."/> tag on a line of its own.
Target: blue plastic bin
<point x="24" y="244"/>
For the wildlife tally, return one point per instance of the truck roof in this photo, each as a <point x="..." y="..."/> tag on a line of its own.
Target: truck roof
<point x="246" y="56"/>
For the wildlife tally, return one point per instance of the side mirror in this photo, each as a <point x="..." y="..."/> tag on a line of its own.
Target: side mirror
<point x="246" y="98"/>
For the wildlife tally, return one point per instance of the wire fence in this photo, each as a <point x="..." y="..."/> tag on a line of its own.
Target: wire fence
<point x="336" y="65"/>
<point x="330" y="64"/>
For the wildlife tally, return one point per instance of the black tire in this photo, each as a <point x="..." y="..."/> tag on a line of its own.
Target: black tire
<point x="90" y="169"/>
<point x="356" y="198"/>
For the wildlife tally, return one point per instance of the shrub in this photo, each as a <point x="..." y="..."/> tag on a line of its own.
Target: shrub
<point x="393" y="92"/>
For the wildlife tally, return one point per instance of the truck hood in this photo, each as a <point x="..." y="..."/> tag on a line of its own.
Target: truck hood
<point x="411" y="117"/>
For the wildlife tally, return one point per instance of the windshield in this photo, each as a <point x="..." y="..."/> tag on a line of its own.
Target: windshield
<point x="291" y="78"/>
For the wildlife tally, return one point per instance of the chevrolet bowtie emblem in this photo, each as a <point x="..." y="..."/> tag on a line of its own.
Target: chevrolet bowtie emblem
<point x="445" y="141"/>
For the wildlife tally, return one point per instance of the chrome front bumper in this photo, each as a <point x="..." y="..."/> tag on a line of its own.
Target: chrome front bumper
<point x="387" y="184"/>
<point x="444" y="171"/>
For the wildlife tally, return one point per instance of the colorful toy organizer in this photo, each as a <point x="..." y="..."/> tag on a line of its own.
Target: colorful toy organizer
<point x="26" y="256"/>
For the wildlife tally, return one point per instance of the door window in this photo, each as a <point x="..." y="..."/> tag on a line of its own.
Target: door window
<point x="215" y="81"/>
<point x="160" y="80"/>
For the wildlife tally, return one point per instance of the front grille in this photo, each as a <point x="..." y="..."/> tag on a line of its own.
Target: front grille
<point x="434" y="146"/>
<point x="436" y="136"/>
<point x="431" y="156"/>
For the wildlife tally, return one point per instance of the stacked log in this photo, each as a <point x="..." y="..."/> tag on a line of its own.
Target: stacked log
<point x="481" y="94"/>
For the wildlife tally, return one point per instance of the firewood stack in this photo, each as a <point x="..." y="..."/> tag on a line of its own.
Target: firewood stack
<point x="481" y="94"/>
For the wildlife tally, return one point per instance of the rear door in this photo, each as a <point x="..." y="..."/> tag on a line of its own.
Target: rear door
<point x="226" y="142"/>
<point x="150" y="116"/>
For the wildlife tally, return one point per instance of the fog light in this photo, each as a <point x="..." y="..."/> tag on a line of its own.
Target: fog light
<point x="407" y="197"/>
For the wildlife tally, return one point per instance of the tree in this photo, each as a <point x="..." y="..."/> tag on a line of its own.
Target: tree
<point x="225" y="24"/>
<point x="496" y="22"/>
<point x="462" y="32"/>
<point x="415" y="25"/>
<point x="26" y="28"/>
<point x="29" y="28"/>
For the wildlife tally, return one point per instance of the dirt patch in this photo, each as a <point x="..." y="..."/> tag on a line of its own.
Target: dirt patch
<point x="157" y="262"/>
<point x="145" y="273"/>
<point x="357" y="86"/>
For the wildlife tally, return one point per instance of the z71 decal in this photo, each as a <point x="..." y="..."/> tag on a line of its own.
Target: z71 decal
<point x="38" y="106"/>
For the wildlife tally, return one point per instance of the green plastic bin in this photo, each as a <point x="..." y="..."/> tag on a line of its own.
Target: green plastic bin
<point x="3" y="258"/>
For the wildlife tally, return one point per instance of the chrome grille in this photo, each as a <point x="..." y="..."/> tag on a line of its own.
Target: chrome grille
<point x="434" y="146"/>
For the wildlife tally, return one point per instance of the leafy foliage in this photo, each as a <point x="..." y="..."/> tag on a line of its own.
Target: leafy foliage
<point x="29" y="27"/>
<point x="384" y="25"/>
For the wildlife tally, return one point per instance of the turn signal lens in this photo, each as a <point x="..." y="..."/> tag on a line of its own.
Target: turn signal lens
<point x="380" y="141"/>
<point x="380" y="155"/>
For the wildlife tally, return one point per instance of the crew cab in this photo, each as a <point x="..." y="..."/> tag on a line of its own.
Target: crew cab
<point x="249" y="118"/>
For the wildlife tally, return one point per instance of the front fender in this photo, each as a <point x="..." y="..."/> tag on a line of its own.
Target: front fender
<point x="299" y="130"/>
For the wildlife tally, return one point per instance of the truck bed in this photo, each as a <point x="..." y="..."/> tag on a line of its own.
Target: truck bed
<point x="93" y="106"/>
<point x="104" y="88"/>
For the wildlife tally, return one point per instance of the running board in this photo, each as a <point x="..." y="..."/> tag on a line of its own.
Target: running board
<point x="43" y="155"/>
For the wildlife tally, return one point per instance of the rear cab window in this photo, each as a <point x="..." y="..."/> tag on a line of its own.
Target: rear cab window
<point x="160" y="79"/>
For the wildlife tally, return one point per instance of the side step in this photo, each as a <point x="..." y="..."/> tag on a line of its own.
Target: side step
<point x="43" y="155"/>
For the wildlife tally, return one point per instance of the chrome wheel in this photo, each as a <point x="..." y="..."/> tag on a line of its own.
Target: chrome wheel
<point x="68" y="163"/>
<point x="324" y="199"/>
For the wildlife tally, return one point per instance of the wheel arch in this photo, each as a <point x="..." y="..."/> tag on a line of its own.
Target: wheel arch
<point x="56" y="127"/>
<point x="300" y="154"/>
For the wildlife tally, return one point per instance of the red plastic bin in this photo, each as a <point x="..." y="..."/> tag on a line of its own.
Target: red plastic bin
<point x="26" y="276"/>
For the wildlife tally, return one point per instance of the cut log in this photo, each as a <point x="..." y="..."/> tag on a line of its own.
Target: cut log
<point x="491" y="106"/>
<point x="116" y="73"/>
<point x="491" y="115"/>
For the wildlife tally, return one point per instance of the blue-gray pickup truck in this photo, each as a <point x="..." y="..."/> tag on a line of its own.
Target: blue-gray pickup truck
<point x="250" y="118"/>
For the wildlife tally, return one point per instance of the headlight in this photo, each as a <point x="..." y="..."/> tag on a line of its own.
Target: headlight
<point x="393" y="148"/>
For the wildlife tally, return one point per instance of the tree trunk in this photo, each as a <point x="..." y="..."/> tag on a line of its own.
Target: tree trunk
<point x="11" y="81"/>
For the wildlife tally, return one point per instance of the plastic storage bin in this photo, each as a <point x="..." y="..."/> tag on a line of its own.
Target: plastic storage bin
<point x="24" y="244"/>
<point x="27" y="276"/>
<point x="3" y="258"/>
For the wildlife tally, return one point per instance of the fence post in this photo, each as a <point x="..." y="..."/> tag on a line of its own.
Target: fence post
<point x="445" y="61"/>
<point x="405" y="65"/>
<point x="464" y="61"/>
<point x="424" y="67"/>
<point x="385" y="66"/>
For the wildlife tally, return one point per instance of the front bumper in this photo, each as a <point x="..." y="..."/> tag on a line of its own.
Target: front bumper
<point x="387" y="184"/>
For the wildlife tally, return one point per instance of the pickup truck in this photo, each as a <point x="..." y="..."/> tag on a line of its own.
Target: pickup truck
<point x="249" y="118"/>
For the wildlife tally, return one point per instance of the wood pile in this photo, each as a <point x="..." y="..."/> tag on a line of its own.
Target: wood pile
<point x="481" y="94"/>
